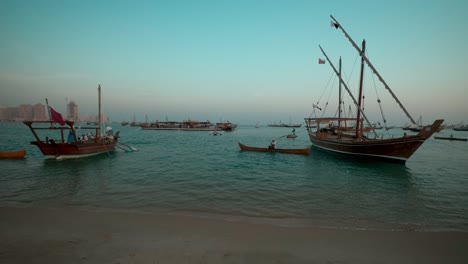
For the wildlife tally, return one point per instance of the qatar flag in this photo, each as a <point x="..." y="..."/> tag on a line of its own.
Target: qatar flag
<point x="56" y="116"/>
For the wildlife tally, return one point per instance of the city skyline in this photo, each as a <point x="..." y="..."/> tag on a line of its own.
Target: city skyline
<point x="38" y="112"/>
<point x="243" y="61"/>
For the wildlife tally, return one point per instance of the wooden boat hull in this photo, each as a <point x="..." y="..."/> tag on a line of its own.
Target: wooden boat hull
<point x="19" y="154"/>
<point x="394" y="149"/>
<point x="305" y="151"/>
<point x="74" y="150"/>
<point x="291" y="136"/>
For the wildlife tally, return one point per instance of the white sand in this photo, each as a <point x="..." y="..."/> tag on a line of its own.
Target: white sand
<point x="36" y="235"/>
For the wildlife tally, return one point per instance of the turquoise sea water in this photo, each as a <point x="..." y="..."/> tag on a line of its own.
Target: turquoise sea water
<point x="184" y="172"/>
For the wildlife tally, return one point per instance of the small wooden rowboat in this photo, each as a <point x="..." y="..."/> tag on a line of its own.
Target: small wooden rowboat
<point x="19" y="154"/>
<point x="288" y="151"/>
<point x="451" y="138"/>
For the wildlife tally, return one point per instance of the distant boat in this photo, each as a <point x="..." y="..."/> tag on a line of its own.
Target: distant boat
<point x="461" y="127"/>
<point x="186" y="125"/>
<point x="304" y="151"/>
<point x="284" y="125"/>
<point x="291" y="136"/>
<point x="16" y="154"/>
<point x="329" y="136"/>
<point x="134" y="122"/>
<point x="225" y="126"/>
<point x="73" y="146"/>
<point x="124" y="123"/>
<point x="451" y="138"/>
<point x="257" y="125"/>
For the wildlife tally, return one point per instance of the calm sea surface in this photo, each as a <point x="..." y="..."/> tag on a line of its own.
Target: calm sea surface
<point x="195" y="173"/>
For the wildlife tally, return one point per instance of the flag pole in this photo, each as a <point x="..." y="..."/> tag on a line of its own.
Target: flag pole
<point x="48" y="111"/>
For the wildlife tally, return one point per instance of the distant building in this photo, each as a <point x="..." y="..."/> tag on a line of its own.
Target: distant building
<point x="39" y="112"/>
<point x="9" y="113"/>
<point x="25" y="112"/>
<point x="72" y="111"/>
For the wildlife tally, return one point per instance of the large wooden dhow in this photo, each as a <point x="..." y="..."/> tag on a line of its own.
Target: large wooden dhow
<point x="64" y="142"/>
<point x="333" y="135"/>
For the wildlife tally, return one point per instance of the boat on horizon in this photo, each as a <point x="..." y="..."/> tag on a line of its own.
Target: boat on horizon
<point x="304" y="151"/>
<point x="226" y="126"/>
<point x="186" y="125"/>
<point x="285" y="125"/>
<point x="460" y="127"/>
<point x="329" y="136"/>
<point x="64" y="142"/>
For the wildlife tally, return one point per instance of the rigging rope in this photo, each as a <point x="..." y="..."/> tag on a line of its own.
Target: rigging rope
<point x="378" y="100"/>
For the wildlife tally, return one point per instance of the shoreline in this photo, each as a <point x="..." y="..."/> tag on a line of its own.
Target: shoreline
<point x="70" y="235"/>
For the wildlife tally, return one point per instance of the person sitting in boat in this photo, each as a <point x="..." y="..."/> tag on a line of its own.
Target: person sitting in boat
<point x="90" y="135"/>
<point x="70" y="137"/>
<point x="272" y="145"/>
<point x="84" y="137"/>
<point x="109" y="133"/>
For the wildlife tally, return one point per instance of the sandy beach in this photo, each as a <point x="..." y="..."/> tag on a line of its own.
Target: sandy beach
<point x="38" y="235"/>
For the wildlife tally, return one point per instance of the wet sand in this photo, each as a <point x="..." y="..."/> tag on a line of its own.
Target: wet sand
<point x="68" y="235"/>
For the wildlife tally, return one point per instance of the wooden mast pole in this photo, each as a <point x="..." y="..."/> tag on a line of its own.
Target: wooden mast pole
<point x="346" y="88"/>
<point x="48" y="111"/>
<point x="98" y="136"/>
<point x="338" y="25"/>
<point x="359" y="124"/>
<point x="339" y="98"/>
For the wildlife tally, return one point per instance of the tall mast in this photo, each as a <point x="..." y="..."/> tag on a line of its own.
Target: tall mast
<point x="99" y="114"/>
<point x="339" y="97"/>
<point x="48" y="111"/>
<point x="338" y="25"/>
<point x="346" y="88"/>
<point x="358" y="123"/>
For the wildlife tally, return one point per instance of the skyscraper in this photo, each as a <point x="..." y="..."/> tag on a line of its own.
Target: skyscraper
<point x="72" y="111"/>
<point x="39" y="112"/>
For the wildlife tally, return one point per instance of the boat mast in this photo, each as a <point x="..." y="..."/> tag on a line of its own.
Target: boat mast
<point x="48" y="111"/>
<point x="99" y="114"/>
<point x="347" y="89"/>
<point x="338" y="25"/>
<point x="359" y="125"/>
<point x="339" y="98"/>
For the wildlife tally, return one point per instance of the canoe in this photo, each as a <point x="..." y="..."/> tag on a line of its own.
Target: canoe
<point x="287" y="151"/>
<point x="291" y="136"/>
<point x="19" y="154"/>
<point x="451" y="138"/>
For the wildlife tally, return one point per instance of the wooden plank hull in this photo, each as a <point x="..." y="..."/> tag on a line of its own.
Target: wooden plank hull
<point x="305" y="151"/>
<point x="74" y="150"/>
<point x="19" y="154"/>
<point x="394" y="149"/>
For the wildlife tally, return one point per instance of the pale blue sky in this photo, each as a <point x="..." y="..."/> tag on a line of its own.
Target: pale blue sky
<point x="244" y="61"/>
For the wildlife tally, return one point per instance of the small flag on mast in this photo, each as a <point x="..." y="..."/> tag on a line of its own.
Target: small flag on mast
<point x="316" y="106"/>
<point x="320" y="61"/>
<point x="333" y="24"/>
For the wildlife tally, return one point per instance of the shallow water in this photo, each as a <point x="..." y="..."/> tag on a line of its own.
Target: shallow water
<point x="185" y="172"/>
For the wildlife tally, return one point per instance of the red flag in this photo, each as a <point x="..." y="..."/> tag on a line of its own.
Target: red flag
<point x="56" y="116"/>
<point x="321" y="61"/>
